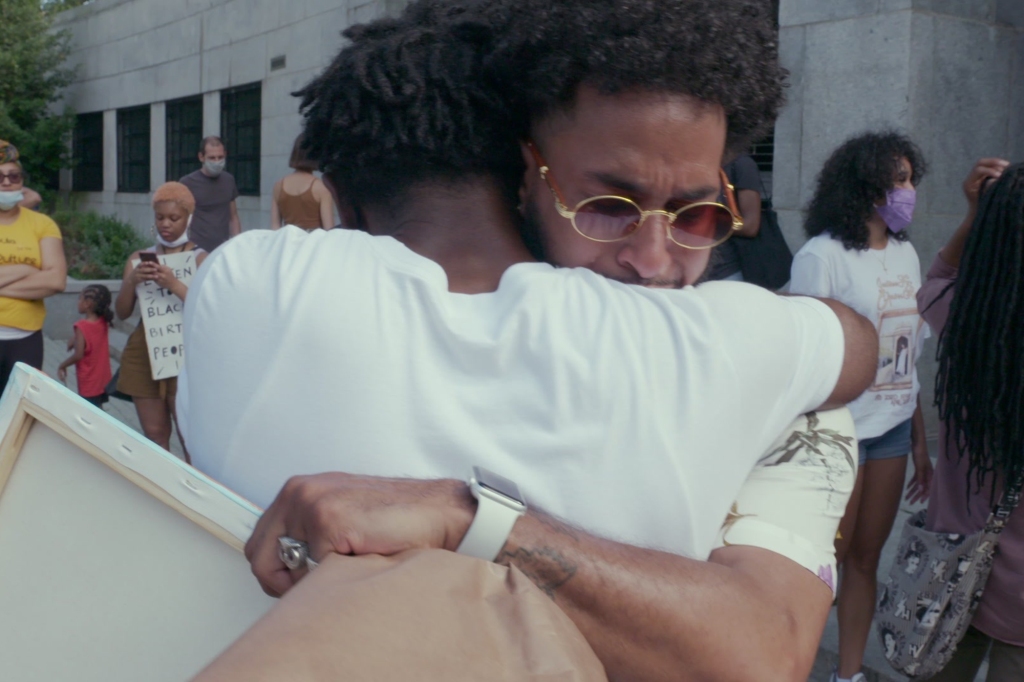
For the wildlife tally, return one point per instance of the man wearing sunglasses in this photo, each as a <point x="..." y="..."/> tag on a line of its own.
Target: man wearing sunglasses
<point x="632" y="414"/>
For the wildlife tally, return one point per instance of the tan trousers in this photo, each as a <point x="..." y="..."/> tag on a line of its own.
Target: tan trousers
<point x="1005" y="661"/>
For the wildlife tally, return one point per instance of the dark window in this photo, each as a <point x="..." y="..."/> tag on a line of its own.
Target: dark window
<point x="184" y="133"/>
<point x="240" y="126"/>
<point x="133" y="149"/>
<point x="87" y="175"/>
<point x="763" y="153"/>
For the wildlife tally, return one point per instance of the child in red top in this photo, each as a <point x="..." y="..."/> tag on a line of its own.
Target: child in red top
<point x="91" y="347"/>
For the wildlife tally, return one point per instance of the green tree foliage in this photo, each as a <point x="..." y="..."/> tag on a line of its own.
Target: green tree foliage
<point x="96" y="246"/>
<point x="32" y="75"/>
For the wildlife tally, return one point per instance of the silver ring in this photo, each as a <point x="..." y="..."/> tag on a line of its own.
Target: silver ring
<point x="293" y="553"/>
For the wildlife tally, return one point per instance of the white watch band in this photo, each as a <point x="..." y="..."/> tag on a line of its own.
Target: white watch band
<point x="492" y="524"/>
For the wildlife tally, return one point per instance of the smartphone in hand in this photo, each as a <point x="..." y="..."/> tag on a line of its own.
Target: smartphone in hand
<point x="148" y="257"/>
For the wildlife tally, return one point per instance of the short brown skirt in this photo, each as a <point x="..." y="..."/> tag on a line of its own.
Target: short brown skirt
<point x="136" y="377"/>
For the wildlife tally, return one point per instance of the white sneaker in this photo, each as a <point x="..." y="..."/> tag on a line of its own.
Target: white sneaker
<point x="858" y="677"/>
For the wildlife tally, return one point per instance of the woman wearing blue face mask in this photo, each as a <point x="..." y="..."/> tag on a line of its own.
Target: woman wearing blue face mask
<point x="32" y="267"/>
<point x="858" y="253"/>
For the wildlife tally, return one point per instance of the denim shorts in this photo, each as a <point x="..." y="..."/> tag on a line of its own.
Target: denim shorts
<point x="893" y="443"/>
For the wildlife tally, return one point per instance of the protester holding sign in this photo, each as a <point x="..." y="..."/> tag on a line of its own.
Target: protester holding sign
<point x="158" y="279"/>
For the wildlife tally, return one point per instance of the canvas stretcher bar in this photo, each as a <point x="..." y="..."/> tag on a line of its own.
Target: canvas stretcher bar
<point x="117" y="560"/>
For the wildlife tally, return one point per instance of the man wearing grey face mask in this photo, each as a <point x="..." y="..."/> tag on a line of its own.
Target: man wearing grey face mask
<point x="216" y="216"/>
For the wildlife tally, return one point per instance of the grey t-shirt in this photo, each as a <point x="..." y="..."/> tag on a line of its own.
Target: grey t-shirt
<point x="213" y="207"/>
<point x="743" y="174"/>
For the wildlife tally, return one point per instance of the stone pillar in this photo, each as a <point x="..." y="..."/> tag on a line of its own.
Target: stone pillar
<point x="211" y="114"/>
<point x="950" y="73"/>
<point x="109" y="155"/>
<point x="158" y="144"/>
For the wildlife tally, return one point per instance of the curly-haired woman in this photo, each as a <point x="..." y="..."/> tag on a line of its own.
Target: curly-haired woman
<point x="858" y="254"/>
<point x="173" y="206"/>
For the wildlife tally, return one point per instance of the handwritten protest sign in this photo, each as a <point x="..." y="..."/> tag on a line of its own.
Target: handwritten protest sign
<point x="162" y="317"/>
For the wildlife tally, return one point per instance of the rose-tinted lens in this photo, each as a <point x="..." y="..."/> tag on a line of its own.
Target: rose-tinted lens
<point x="702" y="225"/>
<point x="13" y="178"/>
<point x="607" y="218"/>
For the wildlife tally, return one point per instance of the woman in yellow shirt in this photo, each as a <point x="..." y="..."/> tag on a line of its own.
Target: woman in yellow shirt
<point x="32" y="267"/>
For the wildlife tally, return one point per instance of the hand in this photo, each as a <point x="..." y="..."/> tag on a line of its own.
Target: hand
<point x="920" y="485"/>
<point x="62" y="374"/>
<point x="356" y="515"/>
<point x="145" y="272"/>
<point x="984" y="169"/>
<point x="163" y="276"/>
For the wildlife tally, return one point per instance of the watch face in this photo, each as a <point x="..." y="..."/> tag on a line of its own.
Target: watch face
<point x="498" y="484"/>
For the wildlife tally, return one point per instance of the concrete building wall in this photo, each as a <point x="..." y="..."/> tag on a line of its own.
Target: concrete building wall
<point x="148" y="52"/>
<point x="948" y="72"/>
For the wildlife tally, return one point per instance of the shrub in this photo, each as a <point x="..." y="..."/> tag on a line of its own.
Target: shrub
<point x="96" y="246"/>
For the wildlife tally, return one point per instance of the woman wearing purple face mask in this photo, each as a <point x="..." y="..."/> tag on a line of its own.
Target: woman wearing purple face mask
<point x="858" y="254"/>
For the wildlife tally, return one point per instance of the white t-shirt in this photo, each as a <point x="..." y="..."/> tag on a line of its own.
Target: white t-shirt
<point x="882" y="286"/>
<point x="632" y="413"/>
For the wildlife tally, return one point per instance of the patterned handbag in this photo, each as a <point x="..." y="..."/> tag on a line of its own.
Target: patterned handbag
<point x="934" y="587"/>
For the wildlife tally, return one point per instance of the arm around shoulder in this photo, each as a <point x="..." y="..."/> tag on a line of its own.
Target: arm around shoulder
<point x="32" y="199"/>
<point x="860" y="355"/>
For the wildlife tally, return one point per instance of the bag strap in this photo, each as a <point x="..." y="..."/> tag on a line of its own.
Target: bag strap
<point x="1007" y="503"/>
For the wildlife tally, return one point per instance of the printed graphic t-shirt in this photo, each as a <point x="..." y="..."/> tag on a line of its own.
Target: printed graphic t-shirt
<point x="19" y="245"/>
<point x="209" y="228"/>
<point x="93" y="370"/>
<point x="882" y="286"/>
<point x="610" y="405"/>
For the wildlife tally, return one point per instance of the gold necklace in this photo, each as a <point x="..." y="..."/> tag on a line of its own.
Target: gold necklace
<point x="885" y="257"/>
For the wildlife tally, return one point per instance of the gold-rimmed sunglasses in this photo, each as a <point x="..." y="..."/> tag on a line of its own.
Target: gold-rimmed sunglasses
<point x="610" y="218"/>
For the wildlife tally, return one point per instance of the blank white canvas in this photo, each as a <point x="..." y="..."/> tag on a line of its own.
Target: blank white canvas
<point x="101" y="581"/>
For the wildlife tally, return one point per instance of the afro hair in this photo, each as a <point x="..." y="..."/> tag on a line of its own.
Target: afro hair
<point x="403" y="102"/>
<point x="856" y="176"/>
<point x="447" y="90"/>
<point x="718" y="52"/>
<point x="177" y="193"/>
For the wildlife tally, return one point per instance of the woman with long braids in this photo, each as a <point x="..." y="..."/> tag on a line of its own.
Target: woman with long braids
<point x="974" y="298"/>
<point x="858" y="254"/>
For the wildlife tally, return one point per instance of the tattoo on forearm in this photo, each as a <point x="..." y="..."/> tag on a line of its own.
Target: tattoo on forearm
<point x="548" y="568"/>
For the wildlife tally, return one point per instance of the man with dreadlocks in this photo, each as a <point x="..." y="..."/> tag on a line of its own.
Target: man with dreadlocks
<point x="632" y="413"/>
<point x="974" y="297"/>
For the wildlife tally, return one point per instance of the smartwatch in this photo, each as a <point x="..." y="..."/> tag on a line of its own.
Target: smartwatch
<point x="499" y="506"/>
